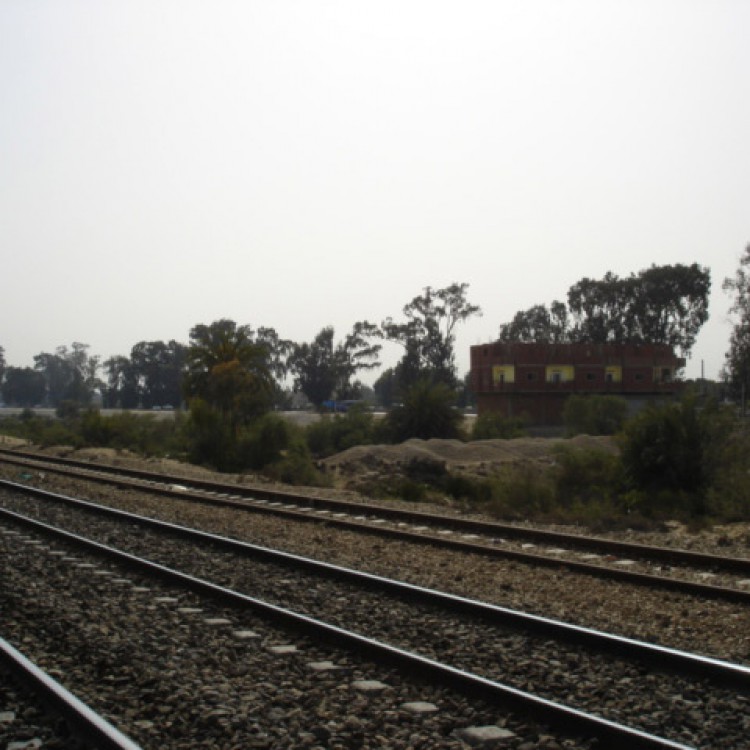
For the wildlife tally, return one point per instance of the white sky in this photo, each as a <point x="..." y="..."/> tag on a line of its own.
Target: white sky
<point x="303" y="164"/>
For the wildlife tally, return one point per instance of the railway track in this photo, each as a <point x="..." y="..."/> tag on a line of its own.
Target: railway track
<point x="476" y="688"/>
<point x="700" y="574"/>
<point x="81" y="721"/>
<point x="353" y="605"/>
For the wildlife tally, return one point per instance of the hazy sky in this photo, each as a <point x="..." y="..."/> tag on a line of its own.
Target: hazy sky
<point x="303" y="164"/>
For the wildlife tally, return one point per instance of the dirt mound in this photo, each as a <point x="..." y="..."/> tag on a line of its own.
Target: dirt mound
<point x="480" y="457"/>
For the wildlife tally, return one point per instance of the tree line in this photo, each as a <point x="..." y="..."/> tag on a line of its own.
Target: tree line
<point x="245" y="370"/>
<point x="658" y="305"/>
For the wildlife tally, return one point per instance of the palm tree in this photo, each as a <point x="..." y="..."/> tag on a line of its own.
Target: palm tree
<point x="229" y="371"/>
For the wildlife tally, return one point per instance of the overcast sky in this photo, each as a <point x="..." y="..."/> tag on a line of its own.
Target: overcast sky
<point x="303" y="164"/>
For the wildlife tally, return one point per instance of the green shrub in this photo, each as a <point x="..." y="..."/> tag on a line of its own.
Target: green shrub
<point x="594" y="415"/>
<point x="295" y="466"/>
<point x="266" y="441"/>
<point x="333" y="434"/>
<point x="673" y="453"/>
<point x="520" y="492"/>
<point x="41" y="431"/>
<point x="94" y="429"/>
<point x="586" y="477"/>
<point x="468" y="490"/>
<point x="427" y="412"/>
<point x="410" y="491"/>
<point x="209" y="439"/>
<point x="47" y="433"/>
<point x="491" y="425"/>
<point x="728" y="497"/>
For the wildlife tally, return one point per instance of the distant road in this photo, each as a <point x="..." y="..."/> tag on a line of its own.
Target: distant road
<point x="301" y="418"/>
<point x="298" y="417"/>
<point x="14" y="411"/>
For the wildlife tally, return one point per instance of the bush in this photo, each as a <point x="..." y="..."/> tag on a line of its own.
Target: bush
<point x="491" y="425"/>
<point x="265" y="441"/>
<point x="586" y="477"/>
<point x="673" y="453"/>
<point x="410" y="491"/>
<point x="209" y="439"/>
<point x="729" y="495"/>
<point x="471" y="491"/>
<point x="520" y="492"/>
<point x="427" y="412"/>
<point x="594" y="415"/>
<point x="334" y="434"/>
<point x="295" y="467"/>
<point x="278" y="449"/>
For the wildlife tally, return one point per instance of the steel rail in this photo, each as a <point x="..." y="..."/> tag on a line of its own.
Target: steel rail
<point x="566" y="719"/>
<point x="693" y="588"/>
<point x="593" y="543"/>
<point x="88" y="723"/>
<point x="721" y="671"/>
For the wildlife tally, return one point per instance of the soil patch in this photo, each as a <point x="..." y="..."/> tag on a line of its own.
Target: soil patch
<point x="364" y="463"/>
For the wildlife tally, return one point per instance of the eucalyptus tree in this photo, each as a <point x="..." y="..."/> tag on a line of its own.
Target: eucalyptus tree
<point x="427" y="335"/>
<point x="324" y="369"/>
<point x="658" y="305"/>
<point x="538" y="323"/>
<point x="158" y="368"/>
<point x="23" y="386"/>
<point x="69" y="374"/>
<point x="121" y="389"/>
<point x="736" y="370"/>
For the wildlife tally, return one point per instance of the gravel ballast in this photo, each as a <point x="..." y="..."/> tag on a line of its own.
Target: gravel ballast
<point x="622" y="692"/>
<point x="172" y="671"/>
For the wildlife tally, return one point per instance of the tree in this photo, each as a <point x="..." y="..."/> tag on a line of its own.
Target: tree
<point x="158" y="368"/>
<point x="23" y="386"/>
<point x="2" y="363"/>
<point x="538" y="324"/>
<point x="122" y="384"/>
<point x="671" y="452"/>
<point x="659" y="305"/>
<point x="278" y="351"/>
<point x="736" y="371"/>
<point x="385" y="388"/>
<point x="323" y="369"/>
<point x="69" y="374"/>
<point x="228" y="371"/>
<point x="427" y="335"/>
<point x="427" y="412"/>
<point x="671" y="305"/>
<point x="599" y="309"/>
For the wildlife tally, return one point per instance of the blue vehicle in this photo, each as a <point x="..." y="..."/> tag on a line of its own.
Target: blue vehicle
<point x="340" y="407"/>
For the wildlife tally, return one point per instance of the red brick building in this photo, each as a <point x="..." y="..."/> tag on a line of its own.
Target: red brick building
<point x="534" y="380"/>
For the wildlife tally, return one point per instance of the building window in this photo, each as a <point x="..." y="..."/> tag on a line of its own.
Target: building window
<point x="502" y="374"/>
<point x="530" y="376"/>
<point x="560" y="373"/>
<point x="590" y="376"/>
<point x="613" y="374"/>
<point x="639" y="376"/>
